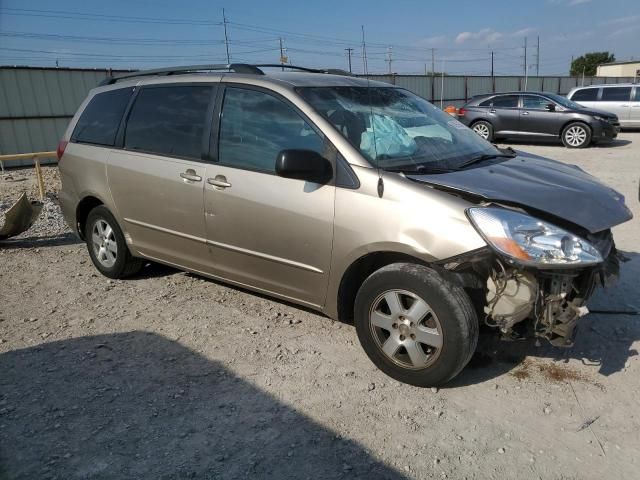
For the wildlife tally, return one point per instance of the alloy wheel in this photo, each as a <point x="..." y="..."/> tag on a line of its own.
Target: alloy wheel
<point x="104" y="243"/>
<point x="406" y="329"/>
<point x="576" y="136"/>
<point x="482" y="130"/>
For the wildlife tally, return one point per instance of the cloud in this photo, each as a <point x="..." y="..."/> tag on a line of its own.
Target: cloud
<point x="573" y="3"/>
<point x="489" y="35"/>
<point x="432" y="41"/>
<point x="624" y="20"/>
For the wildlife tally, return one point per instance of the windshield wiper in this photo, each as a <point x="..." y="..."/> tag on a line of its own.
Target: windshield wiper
<point x="482" y="158"/>
<point x="420" y="170"/>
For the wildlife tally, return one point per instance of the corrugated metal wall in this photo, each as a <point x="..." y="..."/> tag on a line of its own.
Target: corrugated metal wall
<point x="457" y="90"/>
<point x="36" y="105"/>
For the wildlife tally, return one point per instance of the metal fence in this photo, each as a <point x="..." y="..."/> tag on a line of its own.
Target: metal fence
<point x="36" y="103"/>
<point x="456" y="90"/>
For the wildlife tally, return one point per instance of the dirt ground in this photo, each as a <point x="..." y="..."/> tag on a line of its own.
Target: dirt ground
<point x="169" y="376"/>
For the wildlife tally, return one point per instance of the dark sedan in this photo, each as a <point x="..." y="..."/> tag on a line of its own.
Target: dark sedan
<point x="538" y="115"/>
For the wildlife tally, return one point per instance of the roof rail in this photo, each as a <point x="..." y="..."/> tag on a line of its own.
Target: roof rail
<point x="232" y="67"/>
<point x="332" y="71"/>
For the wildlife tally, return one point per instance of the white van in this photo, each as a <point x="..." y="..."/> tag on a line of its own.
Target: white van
<point x="623" y="99"/>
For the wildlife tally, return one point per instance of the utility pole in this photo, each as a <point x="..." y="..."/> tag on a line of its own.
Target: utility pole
<point x="538" y="58"/>
<point x="492" y="63"/>
<point x="525" y="56"/>
<point x="433" y="61"/>
<point x="226" y="38"/>
<point x="389" y="60"/>
<point x="364" y="54"/>
<point x="349" y="50"/>
<point x="281" y="55"/>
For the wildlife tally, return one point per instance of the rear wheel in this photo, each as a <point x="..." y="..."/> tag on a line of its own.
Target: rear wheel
<point x="107" y="247"/>
<point x="484" y="129"/>
<point x="576" y="135"/>
<point x="414" y="325"/>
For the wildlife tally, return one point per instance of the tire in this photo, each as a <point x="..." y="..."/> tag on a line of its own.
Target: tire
<point x="397" y="325"/>
<point x="576" y="135"/>
<point x="483" y="129"/>
<point x="107" y="247"/>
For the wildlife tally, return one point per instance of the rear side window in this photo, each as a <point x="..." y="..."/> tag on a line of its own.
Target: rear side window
<point x="616" y="94"/>
<point x="168" y="120"/>
<point x="256" y="126"/>
<point x="585" y="95"/>
<point x="637" y="94"/>
<point x="506" y="101"/>
<point x="99" y="122"/>
<point x="486" y="103"/>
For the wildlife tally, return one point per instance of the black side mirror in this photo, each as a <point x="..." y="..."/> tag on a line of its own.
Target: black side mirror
<point x="550" y="107"/>
<point x="303" y="165"/>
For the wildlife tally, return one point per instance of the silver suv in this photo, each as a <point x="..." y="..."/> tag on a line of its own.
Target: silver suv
<point x="621" y="99"/>
<point x="355" y="198"/>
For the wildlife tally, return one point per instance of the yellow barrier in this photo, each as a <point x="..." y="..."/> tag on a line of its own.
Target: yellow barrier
<point x="36" y="156"/>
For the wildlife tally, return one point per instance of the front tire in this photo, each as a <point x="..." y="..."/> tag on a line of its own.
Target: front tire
<point x="107" y="247"/>
<point x="483" y="129"/>
<point x="416" y="326"/>
<point x="576" y="135"/>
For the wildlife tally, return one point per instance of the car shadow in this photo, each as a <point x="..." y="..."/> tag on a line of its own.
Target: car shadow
<point x="137" y="405"/>
<point x="554" y="142"/>
<point x="40" y="242"/>
<point x="604" y="341"/>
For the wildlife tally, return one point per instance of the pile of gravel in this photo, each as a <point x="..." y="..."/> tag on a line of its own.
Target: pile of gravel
<point x="50" y="222"/>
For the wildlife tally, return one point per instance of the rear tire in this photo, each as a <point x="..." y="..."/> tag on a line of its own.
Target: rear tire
<point x="576" y="135"/>
<point x="416" y="326"/>
<point x="107" y="247"/>
<point x="483" y="129"/>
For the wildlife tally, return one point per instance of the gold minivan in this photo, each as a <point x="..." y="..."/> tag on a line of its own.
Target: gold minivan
<point x="355" y="198"/>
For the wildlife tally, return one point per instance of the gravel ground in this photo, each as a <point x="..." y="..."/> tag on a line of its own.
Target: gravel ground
<point x="168" y="375"/>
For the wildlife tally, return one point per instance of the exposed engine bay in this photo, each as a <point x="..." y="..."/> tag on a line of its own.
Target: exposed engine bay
<point x="523" y="301"/>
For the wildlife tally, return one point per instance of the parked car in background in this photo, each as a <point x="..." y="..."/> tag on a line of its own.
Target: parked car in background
<point x="622" y="99"/>
<point x="535" y="114"/>
<point x="352" y="197"/>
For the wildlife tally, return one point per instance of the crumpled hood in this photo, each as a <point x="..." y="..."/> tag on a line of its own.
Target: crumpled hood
<point x="562" y="190"/>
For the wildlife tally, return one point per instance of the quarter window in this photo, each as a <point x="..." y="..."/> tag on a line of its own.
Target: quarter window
<point x="256" y="126"/>
<point x="616" y="94"/>
<point x="585" y="95"/>
<point x="534" y="102"/>
<point x="169" y="120"/>
<point x="506" y="101"/>
<point x="100" y="120"/>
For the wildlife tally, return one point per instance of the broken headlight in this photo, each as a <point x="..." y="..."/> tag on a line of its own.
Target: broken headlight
<point x="531" y="241"/>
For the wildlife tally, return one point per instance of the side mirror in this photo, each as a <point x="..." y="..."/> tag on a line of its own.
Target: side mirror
<point x="550" y="107"/>
<point x="303" y="165"/>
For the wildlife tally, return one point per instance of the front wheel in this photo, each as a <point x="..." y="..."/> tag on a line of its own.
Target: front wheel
<point x="416" y="326"/>
<point x="576" y="135"/>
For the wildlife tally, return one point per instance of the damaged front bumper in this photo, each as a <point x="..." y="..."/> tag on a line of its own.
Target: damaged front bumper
<point x="523" y="301"/>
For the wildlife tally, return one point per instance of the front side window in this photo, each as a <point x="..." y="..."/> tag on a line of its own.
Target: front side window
<point x="98" y="124"/>
<point x="168" y="120"/>
<point x="534" y="102"/>
<point x="585" y="95"/>
<point x="616" y="94"/>
<point x="637" y="94"/>
<point x="255" y="127"/>
<point x="396" y="129"/>
<point x="506" y="101"/>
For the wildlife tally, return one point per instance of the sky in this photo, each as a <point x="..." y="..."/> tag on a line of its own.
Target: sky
<point x="458" y="36"/>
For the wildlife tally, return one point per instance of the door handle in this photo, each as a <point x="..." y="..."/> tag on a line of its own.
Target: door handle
<point x="191" y="176"/>
<point x="525" y="113"/>
<point x="493" y="110"/>
<point x="219" y="181"/>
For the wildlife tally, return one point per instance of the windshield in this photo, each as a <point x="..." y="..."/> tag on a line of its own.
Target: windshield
<point x="565" y="102"/>
<point x="395" y="129"/>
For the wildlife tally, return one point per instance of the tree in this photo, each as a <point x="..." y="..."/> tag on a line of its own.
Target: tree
<point x="588" y="63"/>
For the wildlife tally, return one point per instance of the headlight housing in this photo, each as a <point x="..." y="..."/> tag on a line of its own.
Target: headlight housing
<point x="602" y="119"/>
<point x="531" y="241"/>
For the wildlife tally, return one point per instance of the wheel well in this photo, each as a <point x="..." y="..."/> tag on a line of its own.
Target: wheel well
<point x="575" y="121"/>
<point x="480" y="120"/>
<point x="82" y="212"/>
<point x="358" y="271"/>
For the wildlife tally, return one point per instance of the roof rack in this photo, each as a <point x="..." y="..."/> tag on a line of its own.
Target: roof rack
<point x="232" y="67"/>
